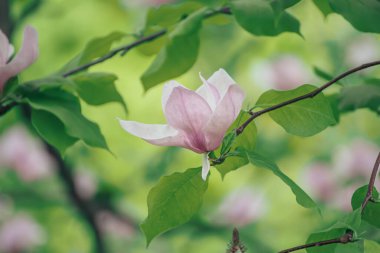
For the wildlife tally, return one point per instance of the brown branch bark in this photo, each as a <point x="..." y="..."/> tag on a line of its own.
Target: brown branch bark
<point x="346" y="238"/>
<point x="371" y="184"/>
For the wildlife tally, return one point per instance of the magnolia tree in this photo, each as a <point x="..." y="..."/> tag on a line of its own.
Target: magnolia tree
<point x="216" y="121"/>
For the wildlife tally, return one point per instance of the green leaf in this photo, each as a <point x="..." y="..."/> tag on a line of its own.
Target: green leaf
<point x="173" y="201"/>
<point x="245" y="141"/>
<point x="323" y="6"/>
<point x="301" y="196"/>
<point x="259" y="17"/>
<point x="372" y="210"/>
<point x="334" y="103"/>
<point x="94" y="49"/>
<point x="98" y="88"/>
<point x="52" y="130"/>
<point x="371" y="246"/>
<point x="323" y="74"/>
<point x="227" y="142"/>
<point x="360" y="96"/>
<point x="66" y="108"/>
<point x="363" y="15"/>
<point x="179" y="54"/>
<point x="303" y="118"/>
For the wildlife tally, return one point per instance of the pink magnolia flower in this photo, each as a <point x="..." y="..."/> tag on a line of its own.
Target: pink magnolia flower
<point x="241" y="207"/>
<point x="25" y="57"/>
<point x="197" y="120"/>
<point x="20" y="234"/>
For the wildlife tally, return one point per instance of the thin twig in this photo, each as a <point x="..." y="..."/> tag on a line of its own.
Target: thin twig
<point x="311" y="94"/>
<point x="85" y="210"/>
<point x="346" y="238"/>
<point x="371" y="184"/>
<point x="124" y="49"/>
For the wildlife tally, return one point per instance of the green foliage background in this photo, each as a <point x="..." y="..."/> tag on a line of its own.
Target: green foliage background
<point x="127" y="174"/>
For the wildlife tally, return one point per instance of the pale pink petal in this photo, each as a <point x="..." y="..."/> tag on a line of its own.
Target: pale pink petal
<point x="189" y="112"/>
<point x="25" y="57"/>
<point x="205" y="166"/>
<point x="4" y="49"/>
<point x="167" y="91"/>
<point x="28" y="53"/>
<point x="209" y="93"/>
<point x="222" y="81"/>
<point x="162" y="135"/>
<point x="224" y="115"/>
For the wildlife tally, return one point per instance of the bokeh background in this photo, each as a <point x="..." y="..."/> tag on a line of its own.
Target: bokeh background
<point x="36" y="215"/>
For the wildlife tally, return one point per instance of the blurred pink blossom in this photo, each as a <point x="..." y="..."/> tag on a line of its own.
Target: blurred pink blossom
<point x="25" y="154"/>
<point x="361" y="50"/>
<point x="112" y="224"/>
<point x="197" y="120"/>
<point x="85" y="183"/>
<point x="356" y="159"/>
<point x="241" y="207"/>
<point x="320" y="180"/>
<point x="19" y="234"/>
<point x="25" y="57"/>
<point x="285" y="72"/>
<point x="351" y="168"/>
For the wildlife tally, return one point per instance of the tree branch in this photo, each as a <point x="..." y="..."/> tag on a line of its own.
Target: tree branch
<point x="85" y="210"/>
<point x="346" y="238"/>
<point x="311" y="94"/>
<point x="124" y="49"/>
<point x="371" y="184"/>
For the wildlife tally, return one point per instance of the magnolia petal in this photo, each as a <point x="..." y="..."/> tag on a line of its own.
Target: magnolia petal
<point x="209" y="93"/>
<point x="25" y="57"/>
<point x="205" y="166"/>
<point x="28" y="53"/>
<point x="221" y="80"/>
<point x="4" y="49"/>
<point x="157" y="134"/>
<point x="167" y="91"/>
<point x="224" y="115"/>
<point x="187" y="111"/>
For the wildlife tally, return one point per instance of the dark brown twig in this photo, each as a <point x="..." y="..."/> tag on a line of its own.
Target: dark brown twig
<point x="124" y="49"/>
<point x="85" y="210"/>
<point x="371" y="184"/>
<point x="311" y="94"/>
<point x="346" y="238"/>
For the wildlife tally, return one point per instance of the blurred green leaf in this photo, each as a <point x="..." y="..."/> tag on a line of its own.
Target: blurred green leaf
<point x="178" y="55"/>
<point x="334" y="103"/>
<point x="301" y="196"/>
<point x="303" y="118"/>
<point x="372" y="210"/>
<point x="95" y="48"/>
<point x="323" y="6"/>
<point x="323" y="74"/>
<point x="173" y="201"/>
<point x="360" y="96"/>
<point x="363" y="15"/>
<point x="371" y="246"/>
<point x="66" y="108"/>
<point x="157" y="165"/>
<point x="98" y="88"/>
<point x="52" y="130"/>
<point x="166" y="16"/>
<point x="261" y="17"/>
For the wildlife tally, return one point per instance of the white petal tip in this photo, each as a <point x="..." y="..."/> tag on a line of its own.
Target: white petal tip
<point x="205" y="166"/>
